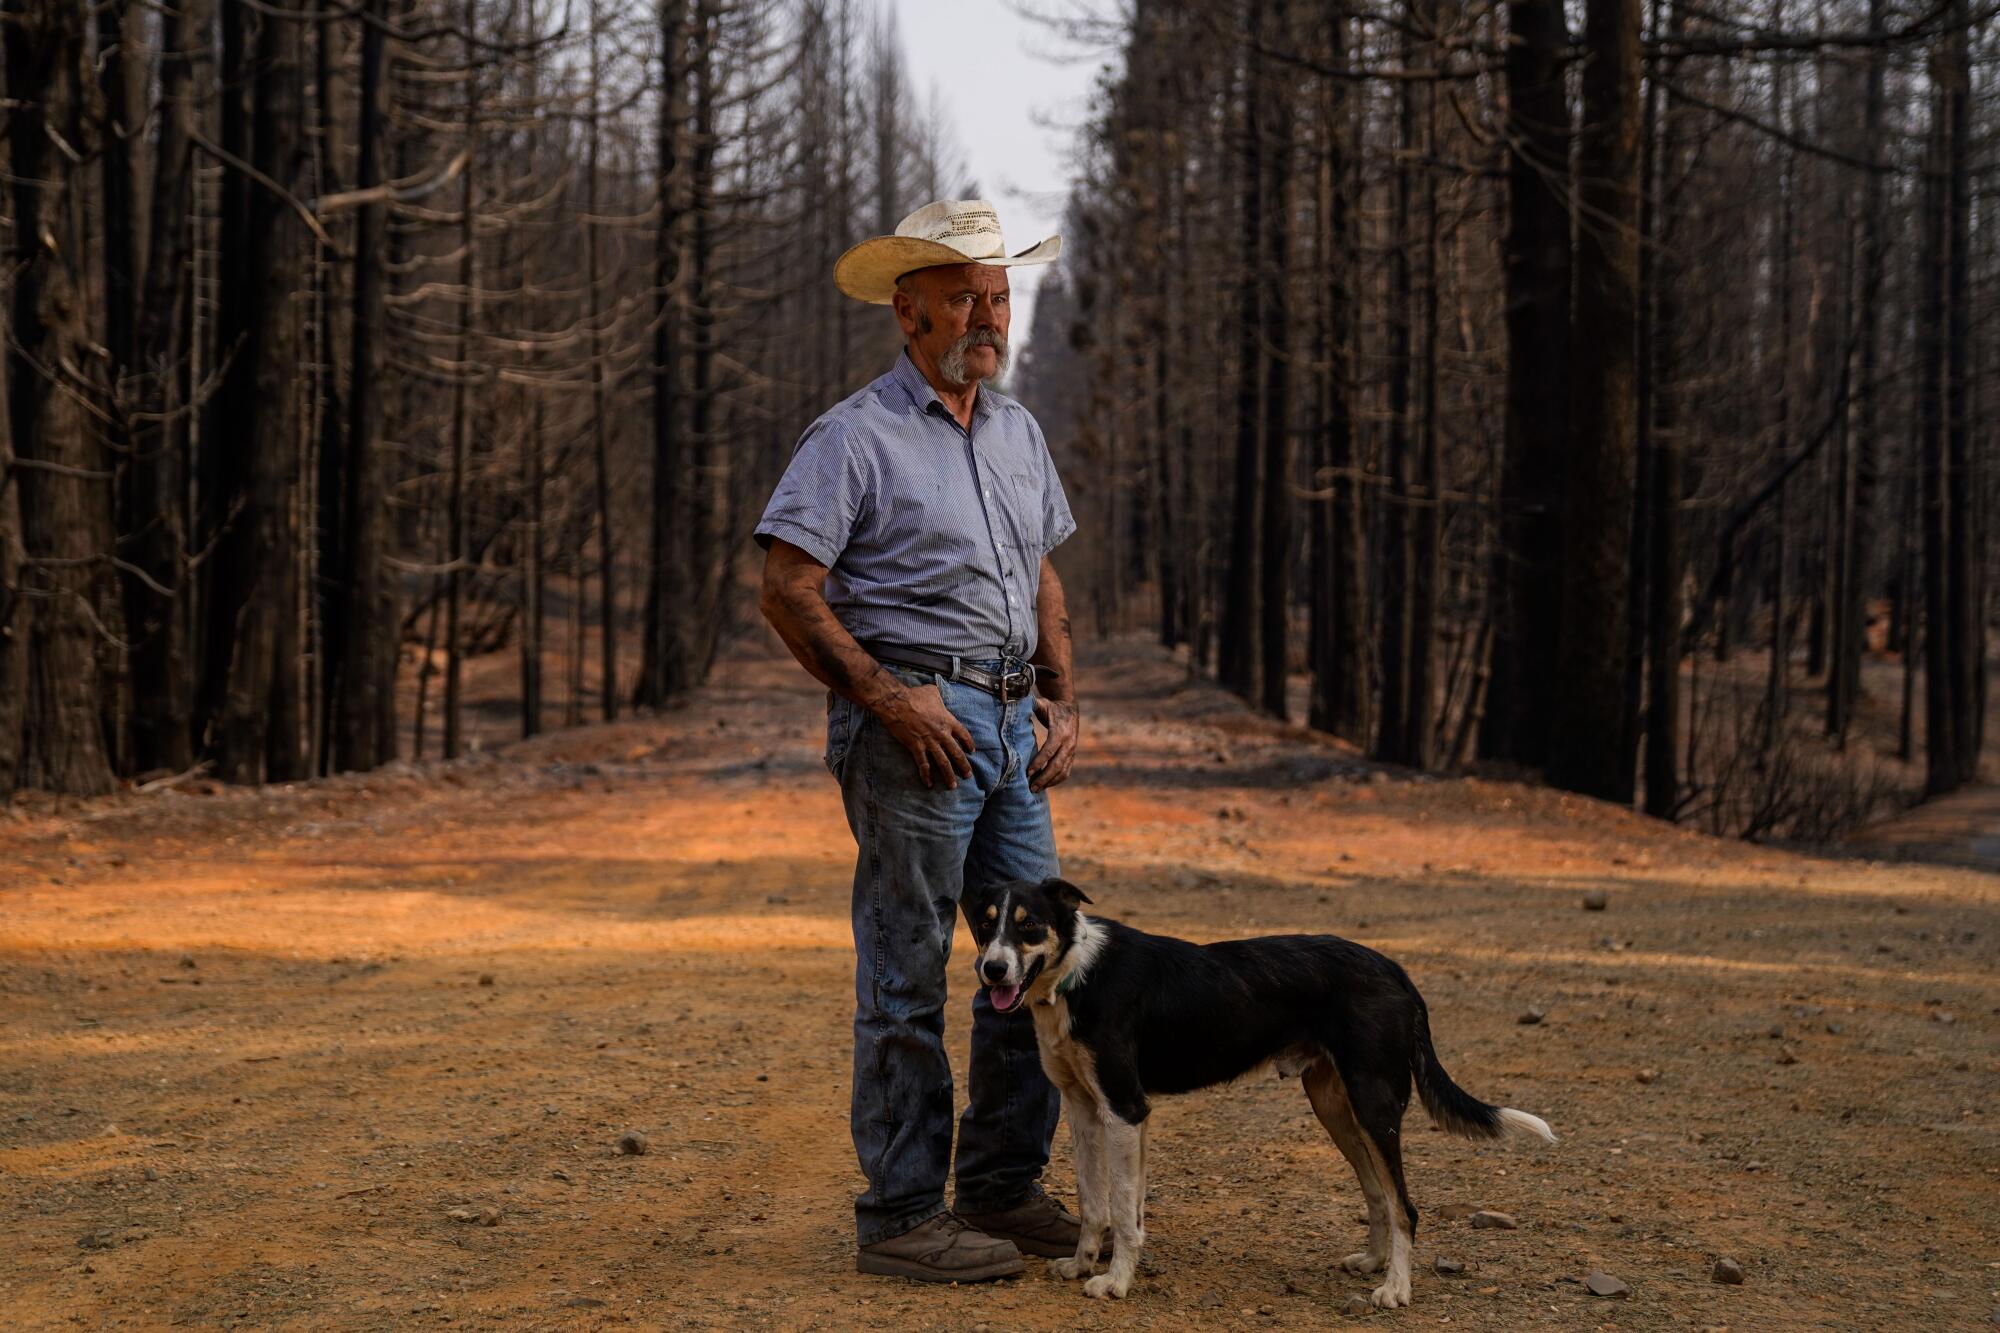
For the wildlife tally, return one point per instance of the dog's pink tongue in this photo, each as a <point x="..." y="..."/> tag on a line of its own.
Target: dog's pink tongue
<point x="1003" y="997"/>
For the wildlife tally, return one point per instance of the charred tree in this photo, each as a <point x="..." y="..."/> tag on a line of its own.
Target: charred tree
<point x="1536" y="455"/>
<point x="57" y="475"/>
<point x="1588" y="751"/>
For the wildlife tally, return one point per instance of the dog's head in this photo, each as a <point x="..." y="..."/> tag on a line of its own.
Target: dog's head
<point x="1023" y="929"/>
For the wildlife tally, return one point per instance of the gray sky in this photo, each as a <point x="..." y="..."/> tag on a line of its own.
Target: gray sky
<point x="1012" y="111"/>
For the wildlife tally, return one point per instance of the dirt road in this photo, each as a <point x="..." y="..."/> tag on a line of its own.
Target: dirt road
<point x="258" y="1046"/>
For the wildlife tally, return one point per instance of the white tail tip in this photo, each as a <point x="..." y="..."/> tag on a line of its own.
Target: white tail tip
<point x="1523" y="1123"/>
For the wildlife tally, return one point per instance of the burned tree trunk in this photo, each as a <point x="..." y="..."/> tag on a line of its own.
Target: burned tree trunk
<point x="158" y="588"/>
<point x="1588" y="752"/>
<point x="1274" y="564"/>
<point x="1535" y="250"/>
<point x="1236" y="660"/>
<point x="1954" y="637"/>
<point x="1339" y="701"/>
<point x="662" y="668"/>
<point x="361" y="672"/>
<point x="259" y="729"/>
<point x="60" y="484"/>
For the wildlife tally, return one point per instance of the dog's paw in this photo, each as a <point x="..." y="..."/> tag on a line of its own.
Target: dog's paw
<point x="1391" y="1294"/>
<point x="1106" y="1287"/>
<point x="1070" y="1269"/>
<point x="1363" y="1262"/>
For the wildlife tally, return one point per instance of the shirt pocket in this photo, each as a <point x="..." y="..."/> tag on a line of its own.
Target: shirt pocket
<point x="1025" y="514"/>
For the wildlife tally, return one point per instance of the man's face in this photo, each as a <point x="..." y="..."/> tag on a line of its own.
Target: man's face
<point x="956" y="316"/>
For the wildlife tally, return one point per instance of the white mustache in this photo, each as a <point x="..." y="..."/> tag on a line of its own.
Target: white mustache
<point x="952" y="363"/>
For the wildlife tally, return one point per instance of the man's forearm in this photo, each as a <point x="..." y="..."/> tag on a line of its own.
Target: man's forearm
<point x="826" y="650"/>
<point x="1053" y="650"/>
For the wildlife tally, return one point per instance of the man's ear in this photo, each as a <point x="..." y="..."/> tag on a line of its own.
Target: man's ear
<point x="1066" y="893"/>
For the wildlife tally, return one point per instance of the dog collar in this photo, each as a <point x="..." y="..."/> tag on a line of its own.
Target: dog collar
<point x="1068" y="983"/>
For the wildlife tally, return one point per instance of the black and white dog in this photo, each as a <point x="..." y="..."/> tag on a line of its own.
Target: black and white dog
<point x="1122" y="1016"/>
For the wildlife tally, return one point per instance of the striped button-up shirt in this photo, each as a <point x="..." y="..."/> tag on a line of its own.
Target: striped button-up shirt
<point x="932" y="534"/>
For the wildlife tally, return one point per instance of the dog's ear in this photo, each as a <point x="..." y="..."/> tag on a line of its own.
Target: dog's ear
<point x="971" y="899"/>
<point x="1066" y="893"/>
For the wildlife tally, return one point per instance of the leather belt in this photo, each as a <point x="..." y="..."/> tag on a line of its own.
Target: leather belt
<point x="1006" y="685"/>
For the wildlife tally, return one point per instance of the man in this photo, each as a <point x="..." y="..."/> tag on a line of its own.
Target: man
<point x="907" y="569"/>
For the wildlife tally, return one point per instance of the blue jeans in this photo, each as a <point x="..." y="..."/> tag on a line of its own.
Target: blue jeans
<point x="919" y="846"/>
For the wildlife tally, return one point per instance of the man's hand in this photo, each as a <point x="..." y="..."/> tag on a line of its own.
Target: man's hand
<point x="1057" y="751"/>
<point x="939" y="742"/>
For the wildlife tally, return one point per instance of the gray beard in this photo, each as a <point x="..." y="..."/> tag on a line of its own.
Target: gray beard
<point x="952" y="364"/>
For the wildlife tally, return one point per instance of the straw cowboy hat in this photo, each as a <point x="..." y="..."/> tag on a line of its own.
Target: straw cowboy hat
<point x="949" y="231"/>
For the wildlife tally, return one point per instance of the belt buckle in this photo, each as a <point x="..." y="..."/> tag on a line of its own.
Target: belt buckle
<point x="1015" y="685"/>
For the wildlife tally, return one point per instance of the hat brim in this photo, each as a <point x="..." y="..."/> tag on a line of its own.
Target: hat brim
<point x="868" y="271"/>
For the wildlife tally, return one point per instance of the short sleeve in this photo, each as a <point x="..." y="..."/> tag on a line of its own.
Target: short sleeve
<point x="820" y="499"/>
<point x="1057" y="523"/>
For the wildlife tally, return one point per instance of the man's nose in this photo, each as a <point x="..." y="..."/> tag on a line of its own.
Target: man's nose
<point x="992" y="969"/>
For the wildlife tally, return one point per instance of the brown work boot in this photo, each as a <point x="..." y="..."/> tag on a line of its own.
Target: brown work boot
<point x="1038" y="1224"/>
<point x="943" y="1249"/>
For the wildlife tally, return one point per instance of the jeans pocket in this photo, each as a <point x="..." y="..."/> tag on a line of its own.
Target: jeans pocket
<point x="842" y="722"/>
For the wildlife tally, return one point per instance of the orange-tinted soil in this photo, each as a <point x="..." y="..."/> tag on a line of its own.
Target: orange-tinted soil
<point x="256" y="1045"/>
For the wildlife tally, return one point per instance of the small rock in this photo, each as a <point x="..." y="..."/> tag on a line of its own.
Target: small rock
<point x="1357" y="1305"/>
<point x="187" y="960"/>
<point x="559" y="1174"/>
<point x="584" y="1303"/>
<point x="485" y="1215"/>
<point x="1648" y="1075"/>
<point x="1444" y="1267"/>
<point x="776" y="899"/>
<point x="1267" y="1309"/>
<point x="486" y="978"/>
<point x="1532" y="1016"/>
<point x="1212" y="1301"/>
<point x="1728" y="1272"/>
<point x="1777" y="1032"/>
<point x="552" y="1109"/>
<point x="96" y="1240"/>
<point x="1596" y="900"/>
<point x="632" y="1143"/>
<point x="1785" y="1056"/>
<point x="151" y="1174"/>
<point x="1486" y="1220"/>
<point x="1944" y="1016"/>
<point x="1603" y="1284"/>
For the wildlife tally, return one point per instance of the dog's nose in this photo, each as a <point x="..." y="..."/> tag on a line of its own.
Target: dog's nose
<point x="993" y="970"/>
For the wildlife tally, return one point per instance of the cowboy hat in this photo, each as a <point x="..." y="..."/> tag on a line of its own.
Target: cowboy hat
<point x="949" y="231"/>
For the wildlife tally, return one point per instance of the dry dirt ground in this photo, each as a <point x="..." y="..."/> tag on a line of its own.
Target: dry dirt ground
<point x="258" y="1045"/>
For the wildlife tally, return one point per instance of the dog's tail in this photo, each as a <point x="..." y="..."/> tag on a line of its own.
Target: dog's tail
<point x="1457" y="1111"/>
